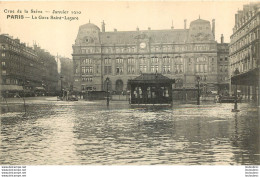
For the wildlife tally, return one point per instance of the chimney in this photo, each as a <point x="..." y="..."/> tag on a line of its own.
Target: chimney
<point x="240" y="14"/>
<point x="172" y="25"/>
<point x="213" y="28"/>
<point x="222" y="39"/>
<point x="185" y="21"/>
<point x="115" y="30"/>
<point x="137" y="28"/>
<point x="149" y="28"/>
<point x="103" y="27"/>
<point x="236" y="19"/>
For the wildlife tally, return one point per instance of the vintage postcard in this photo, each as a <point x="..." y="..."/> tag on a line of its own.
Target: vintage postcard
<point x="129" y="83"/>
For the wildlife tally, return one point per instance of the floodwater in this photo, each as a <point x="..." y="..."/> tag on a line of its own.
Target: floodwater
<point x="88" y="133"/>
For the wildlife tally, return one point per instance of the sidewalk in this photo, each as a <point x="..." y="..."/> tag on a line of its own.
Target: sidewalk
<point x="20" y="100"/>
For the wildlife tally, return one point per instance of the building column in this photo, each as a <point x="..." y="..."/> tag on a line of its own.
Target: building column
<point x="258" y="94"/>
<point x="230" y="87"/>
<point x="254" y="94"/>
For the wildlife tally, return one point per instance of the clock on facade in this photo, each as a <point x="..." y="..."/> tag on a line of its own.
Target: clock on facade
<point x="142" y="45"/>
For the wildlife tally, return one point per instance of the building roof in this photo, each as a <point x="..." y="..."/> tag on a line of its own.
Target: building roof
<point x="90" y="25"/>
<point x="199" y="21"/>
<point x="156" y="36"/>
<point x="163" y="36"/>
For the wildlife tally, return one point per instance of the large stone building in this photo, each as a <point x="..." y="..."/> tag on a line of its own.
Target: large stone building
<point x="23" y="69"/>
<point x="180" y="54"/>
<point x="245" y="51"/>
<point x="49" y="70"/>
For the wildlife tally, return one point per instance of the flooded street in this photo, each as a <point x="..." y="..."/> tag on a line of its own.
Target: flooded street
<point x="89" y="133"/>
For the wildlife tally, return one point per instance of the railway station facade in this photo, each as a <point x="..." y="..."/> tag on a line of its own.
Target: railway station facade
<point x="118" y="56"/>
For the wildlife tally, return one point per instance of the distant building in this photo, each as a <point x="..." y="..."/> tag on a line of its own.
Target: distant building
<point x="180" y="54"/>
<point x="23" y="70"/>
<point x="245" y="51"/>
<point x="50" y="70"/>
<point x="66" y="73"/>
<point x="223" y="67"/>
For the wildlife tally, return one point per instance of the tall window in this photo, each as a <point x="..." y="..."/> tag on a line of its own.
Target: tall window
<point x="154" y="68"/>
<point x="119" y="70"/>
<point x="166" y="59"/>
<point x="179" y="68"/>
<point x="131" y="60"/>
<point x="143" y="68"/>
<point x="154" y="60"/>
<point x="87" y="70"/>
<point x="107" y="60"/>
<point x="166" y="69"/>
<point x="3" y="64"/>
<point x="205" y="68"/>
<point x="130" y="69"/>
<point x="87" y="79"/>
<point x="119" y="60"/>
<point x="87" y="61"/>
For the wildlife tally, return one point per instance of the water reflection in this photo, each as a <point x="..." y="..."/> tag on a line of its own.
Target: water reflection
<point x="82" y="133"/>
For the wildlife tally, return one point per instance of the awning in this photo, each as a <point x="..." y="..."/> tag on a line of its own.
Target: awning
<point x="249" y="78"/>
<point x="39" y="88"/>
<point x="11" y="88"/>
<point x="151" y="78"/>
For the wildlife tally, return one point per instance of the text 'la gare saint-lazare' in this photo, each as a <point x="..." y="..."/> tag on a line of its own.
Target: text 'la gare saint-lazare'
<point x="42" y="15"/>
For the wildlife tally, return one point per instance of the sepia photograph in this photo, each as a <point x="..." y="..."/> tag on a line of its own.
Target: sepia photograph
<point x="129" y="83"/>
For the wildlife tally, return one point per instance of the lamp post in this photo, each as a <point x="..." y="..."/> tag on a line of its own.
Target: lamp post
<point x="107" y="81"/>
<point x="235" y="106"/>
<point x="198" y="99"/>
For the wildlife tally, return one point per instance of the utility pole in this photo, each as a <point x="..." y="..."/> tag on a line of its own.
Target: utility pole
<point x="107" y="81"/>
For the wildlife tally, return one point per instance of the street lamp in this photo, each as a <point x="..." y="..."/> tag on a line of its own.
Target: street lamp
<point x="61" y="86"/>
<point x="235" y="106"/>
<point x="198" y="99"/>
<point x="107" y="81"/>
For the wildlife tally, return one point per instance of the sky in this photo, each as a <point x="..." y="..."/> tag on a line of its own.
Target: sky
<point x="58" y="36"/>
